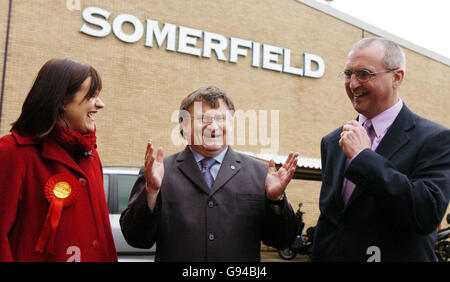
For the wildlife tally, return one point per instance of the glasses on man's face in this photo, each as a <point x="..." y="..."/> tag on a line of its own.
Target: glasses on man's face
<point x="219" y="119"/>
<point x="361" y="75"/>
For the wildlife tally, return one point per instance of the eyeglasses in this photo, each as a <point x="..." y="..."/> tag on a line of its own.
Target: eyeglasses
<point x="361" y="75"/>
<point x="219" y="119"/>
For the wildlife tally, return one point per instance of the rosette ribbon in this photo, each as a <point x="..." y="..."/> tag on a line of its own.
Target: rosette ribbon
<point x="60" y="190"/>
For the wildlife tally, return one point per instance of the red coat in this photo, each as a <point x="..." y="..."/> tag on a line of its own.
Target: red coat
<point x="84" y="231"/>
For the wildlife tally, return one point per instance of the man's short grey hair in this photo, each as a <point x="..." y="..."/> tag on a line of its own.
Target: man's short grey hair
<point x="394" y="56"/>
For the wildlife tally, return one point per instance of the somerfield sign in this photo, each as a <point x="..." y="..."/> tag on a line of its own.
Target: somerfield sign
<point x="262" y="55"/>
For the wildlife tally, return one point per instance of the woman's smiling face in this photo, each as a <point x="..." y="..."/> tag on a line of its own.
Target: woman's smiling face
<point x="79" y="114"/>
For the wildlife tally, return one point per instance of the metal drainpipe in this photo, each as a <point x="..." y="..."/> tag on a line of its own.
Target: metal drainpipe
<point x="5" y="59"/>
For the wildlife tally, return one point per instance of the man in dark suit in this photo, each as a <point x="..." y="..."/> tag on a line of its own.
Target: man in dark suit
<point x="386" y="175"/>
<point x="208" y="202"/>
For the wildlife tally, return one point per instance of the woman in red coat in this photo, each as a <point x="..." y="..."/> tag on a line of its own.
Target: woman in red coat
<point x="52" y="202"/>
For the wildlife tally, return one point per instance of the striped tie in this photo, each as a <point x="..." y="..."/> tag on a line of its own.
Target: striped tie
<point x="207" y="163"/>
<point x="369" y="129"/>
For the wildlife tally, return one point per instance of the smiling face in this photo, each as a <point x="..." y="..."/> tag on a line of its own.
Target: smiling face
<point x="79" y="113"/>
<point x="208" y="128"/>
<point x="378" y="93"/>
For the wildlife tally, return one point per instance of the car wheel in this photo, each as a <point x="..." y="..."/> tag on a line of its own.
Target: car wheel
<point x="287" y="254"/>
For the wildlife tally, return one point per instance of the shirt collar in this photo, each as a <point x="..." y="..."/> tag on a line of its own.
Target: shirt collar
<point x="219" y="158"/>
<point x="383" y="120"/>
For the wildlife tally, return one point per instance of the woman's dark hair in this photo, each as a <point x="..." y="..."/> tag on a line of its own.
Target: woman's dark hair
<point x="55" y="86"/>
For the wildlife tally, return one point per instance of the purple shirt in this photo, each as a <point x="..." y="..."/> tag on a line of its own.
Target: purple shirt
<point x="382" y="122"/>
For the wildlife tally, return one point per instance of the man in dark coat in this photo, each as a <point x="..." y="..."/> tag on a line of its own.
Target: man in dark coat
<point x="208" y="202"/>
<point x="386" y="175"/>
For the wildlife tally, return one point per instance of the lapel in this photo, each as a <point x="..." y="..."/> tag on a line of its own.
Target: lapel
<point x="230" y="166"/>
<point x="51" y="150"/>
<point x="186" y="163"/>
<point x="396" y="137"/>
<point x="339" y="165"/>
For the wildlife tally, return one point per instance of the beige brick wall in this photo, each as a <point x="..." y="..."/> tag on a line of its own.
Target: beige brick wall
<point x="143" y="86"/>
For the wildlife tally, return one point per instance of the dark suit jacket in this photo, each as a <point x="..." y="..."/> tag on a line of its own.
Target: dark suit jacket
<point x="402" y="192"/>
<point x="192" y="223"/>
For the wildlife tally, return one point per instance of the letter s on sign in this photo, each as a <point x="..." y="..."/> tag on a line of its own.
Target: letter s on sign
<point x="75" y="254"/>
<point x="88" y="16"/>
<point x="375" y="253"/>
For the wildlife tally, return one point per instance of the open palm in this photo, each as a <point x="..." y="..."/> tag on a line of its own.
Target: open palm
<point x="154" y="167"/>
<point x="277" y="181"/>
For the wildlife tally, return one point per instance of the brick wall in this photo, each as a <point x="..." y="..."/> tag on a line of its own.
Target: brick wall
<point x="143" y="86"/>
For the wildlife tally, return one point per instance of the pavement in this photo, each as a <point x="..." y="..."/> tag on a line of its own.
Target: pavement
<point x="266" y="256"/>
<point x="272" y="256"/>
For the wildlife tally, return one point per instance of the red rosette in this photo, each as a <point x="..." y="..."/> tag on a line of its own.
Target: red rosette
<point x="60" y="190"/>
<point x="63" y="186"/>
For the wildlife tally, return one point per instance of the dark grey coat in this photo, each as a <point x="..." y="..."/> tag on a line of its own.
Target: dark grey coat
<point x="192" y="223"/>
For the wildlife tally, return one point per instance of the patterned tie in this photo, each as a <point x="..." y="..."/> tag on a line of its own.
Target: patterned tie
<point x="369" y="129"/>
<point x="207" y="163"/>
<point x="348" y="185"/>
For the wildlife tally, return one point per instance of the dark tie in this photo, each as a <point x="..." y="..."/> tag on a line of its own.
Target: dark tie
<point x="348" y="185"/>
<point x="207" y="163"/>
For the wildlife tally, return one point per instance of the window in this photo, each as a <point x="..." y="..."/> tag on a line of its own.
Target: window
<point x="106" y="186"/>
<point x="125" y="184"/>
